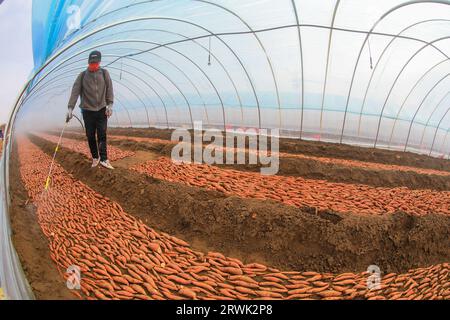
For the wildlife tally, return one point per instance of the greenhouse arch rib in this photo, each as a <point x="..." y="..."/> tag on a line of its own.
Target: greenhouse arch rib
<point x="420" y="106"/>
<point x="180" y="41"/>
<point x="252" y="32"/>
<point x="294" y="7"/>
<point x="189" y="79"/>
<point x="384" y="15"/>
<point x="134" y="92"/>
<point x="381" y="56"/>
<point x="52" y="80"/>
<point x="84" y="37"/>
<point x="158" y="45"/>
<point x="78" y="69"/>
<point x="216" y="35"/>
<point x="443" y="143"/>
<point x="395" y="82"/>
<point x="86" y="50"/>
<point x="410" y="92"/>
<point x="330" y="39"/>
<point x="263" y="48"/>
<point x="431" y="116"/>
<point x="438" y="126"/>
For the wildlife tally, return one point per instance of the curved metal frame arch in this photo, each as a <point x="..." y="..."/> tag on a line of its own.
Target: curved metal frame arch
<point x="384" y="15"/>
<point x="180" y="41"/>
<point x="294" y="6"/>
<point x="70" y="76"/>
<point x="420" y="106"/>
<point x="37" y="94"/>
<point x="42" y="95"/>
<point x="179" y="90"/>
<point x="134" y="93"/>
<point x="145" y="82"/>
<point x="263" y="48"/>
<point x="189" y="79"/>
<point x="58" y="78"/>
<point x="164" y="75"/>
<point x="439" y="124"/>
<point x="27" y="85"/>
<point x="381" y="56"/>
<point x="443" y="143"/>
<point x="119" y="100"/>
<point x="431" y="115"/>
<point x="26" y="100"/>
<point x="176" y="86"/>
<point x="148" y="86"/>
<point x="158" y="45"/>
<point x="198" y="67"/>
<point x="185" y="75"/>
<point x="151" y="88"/>
<point x="395" y="82"/>
<point x="330" y="39"/>
<point x="409" y="94"/>
<point x="220" y="39"/>
<point x="52" y="80"/>
<point x="126" y="110"/>
<point x="166" y="45"/>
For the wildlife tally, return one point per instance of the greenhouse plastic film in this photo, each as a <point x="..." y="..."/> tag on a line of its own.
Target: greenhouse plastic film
<point x="176" y="62"/>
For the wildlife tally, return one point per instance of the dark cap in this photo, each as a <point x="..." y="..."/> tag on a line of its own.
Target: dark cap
<point x="95" y="56"/>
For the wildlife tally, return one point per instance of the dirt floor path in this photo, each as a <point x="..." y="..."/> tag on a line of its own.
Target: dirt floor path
<point x="82" y="147"/>
<point x="122" y="258"/>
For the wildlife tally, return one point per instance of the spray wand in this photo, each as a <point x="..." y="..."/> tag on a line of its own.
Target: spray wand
<point x="47" y="181"/>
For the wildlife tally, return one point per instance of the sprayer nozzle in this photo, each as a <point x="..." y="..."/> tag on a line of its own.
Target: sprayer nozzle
<point x="47" y="183"/>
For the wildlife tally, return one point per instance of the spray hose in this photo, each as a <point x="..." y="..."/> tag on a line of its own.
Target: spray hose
<point x="47" y="181"/>
<point x="81" y="123"/>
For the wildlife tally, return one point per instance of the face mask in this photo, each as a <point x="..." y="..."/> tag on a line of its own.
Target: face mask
<point x="93" y="67"/>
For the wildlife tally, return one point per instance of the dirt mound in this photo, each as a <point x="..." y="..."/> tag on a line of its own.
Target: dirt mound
<point x="266" y="231"/>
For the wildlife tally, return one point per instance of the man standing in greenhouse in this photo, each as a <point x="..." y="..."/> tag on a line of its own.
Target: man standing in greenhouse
<point x="95" y="89"/>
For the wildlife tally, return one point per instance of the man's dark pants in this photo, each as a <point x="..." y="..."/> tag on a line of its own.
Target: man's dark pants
<point x="96" y="124"/>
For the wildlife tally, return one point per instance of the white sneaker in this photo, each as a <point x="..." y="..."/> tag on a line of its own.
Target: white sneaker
<point x="95" y="162"/>
<point x="106" y="164"/>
